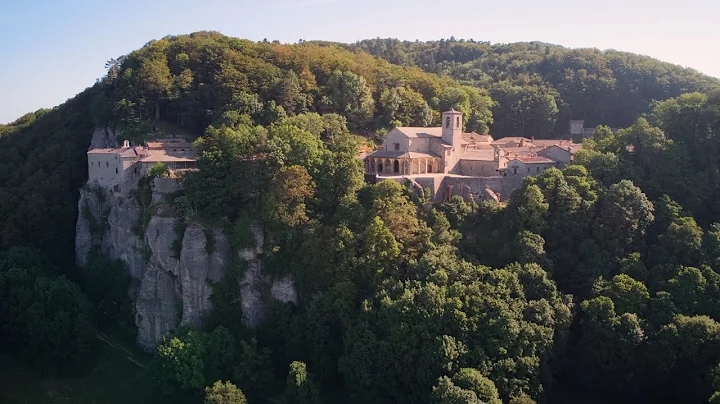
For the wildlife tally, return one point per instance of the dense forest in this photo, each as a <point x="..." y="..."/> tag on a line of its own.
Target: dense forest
<point x="603" y="277"/>
<point x="538" y="88"/>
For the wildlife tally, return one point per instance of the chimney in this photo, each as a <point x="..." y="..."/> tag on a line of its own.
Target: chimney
<point x="522" y="142"/>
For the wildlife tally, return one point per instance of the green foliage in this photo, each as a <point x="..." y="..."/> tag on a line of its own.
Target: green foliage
<point x="187" y="362"/>
<point x="158" y="170"/>
<point x="300" y="387"/>
<point x="398" y="300"/>
<point x="45" y="319"/>
<point x="39" y="185"/>
<point x="224" y="393"/>
<point x="106" y="283"/>
<point x="539" y="88"/>
<point x="473" y="380"/>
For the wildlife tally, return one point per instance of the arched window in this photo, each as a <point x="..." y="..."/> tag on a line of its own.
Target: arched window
<point x="457" y="122"/>
<point x="107" y="164"/>
<point x="447" y="122"/>
<point x="397" y="146"/>
<point x="396" y="166"/>
<point x="116" y="170"/>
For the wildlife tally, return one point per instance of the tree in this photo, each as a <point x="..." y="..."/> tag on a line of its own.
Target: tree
<point x="224" y="393"/>
<point x="45" y="319"/>
<point x="349" y="95"/>
<point x="627" y="294"/>
<point x="288" y="194"/>
<point x="473" y="380"/>
<point x="447" y="393"/>
<point x="624" y="215"/>
<point x="300" y="387"/>
<point x="527" y="111"/>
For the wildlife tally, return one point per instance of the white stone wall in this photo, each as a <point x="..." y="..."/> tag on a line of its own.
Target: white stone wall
<point x="395" y="136"/>
<point x="478" y="168"/>
<point x="557" y="153"/>
<point x="523" y="169"/>
<point x="106" y="169"/>
<point x="419" y="145"/>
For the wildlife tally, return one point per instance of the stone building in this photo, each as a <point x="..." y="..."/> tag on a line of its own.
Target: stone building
<point x="112" y="167"/>
<point x="448" y="150"/>
<point x="577" y="128"/>
<point x="450" y="162"/>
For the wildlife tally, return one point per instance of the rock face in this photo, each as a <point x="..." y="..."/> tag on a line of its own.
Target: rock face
<point x="172" y="261"/>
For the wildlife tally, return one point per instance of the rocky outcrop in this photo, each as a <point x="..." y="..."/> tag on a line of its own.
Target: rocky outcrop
<point x="172" y="261"/>
<point x="104" y="138"/>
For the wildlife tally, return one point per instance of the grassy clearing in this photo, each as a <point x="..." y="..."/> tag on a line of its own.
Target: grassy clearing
<point x="114" y="380"/>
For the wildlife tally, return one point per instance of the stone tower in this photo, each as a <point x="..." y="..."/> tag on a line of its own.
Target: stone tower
<point x="452" y="127"/>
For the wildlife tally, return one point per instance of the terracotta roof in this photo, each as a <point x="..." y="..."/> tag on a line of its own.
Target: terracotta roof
<point x="122" y="151"/>
<point x="515" y="139"/>
<point x="169" y="145"/>
<point x="401" y="155"/>
<point x="166" y="156"/>
<point x="534" y="160"/>
<point x="101" y="151"/>
<point x="410" y="131"/>
<point x="475" y="137"/>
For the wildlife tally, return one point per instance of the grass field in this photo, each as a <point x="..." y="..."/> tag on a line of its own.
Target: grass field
<point x="119" y="377"/>
<point x="115" y="379"/>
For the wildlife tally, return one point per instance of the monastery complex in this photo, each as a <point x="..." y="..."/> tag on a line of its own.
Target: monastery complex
<point x="112" y="167"/>
<point x="444" y="159"/>
<point x="416" y="154"/>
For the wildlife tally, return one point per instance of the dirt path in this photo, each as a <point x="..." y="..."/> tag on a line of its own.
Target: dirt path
<point x="104" y="338"/>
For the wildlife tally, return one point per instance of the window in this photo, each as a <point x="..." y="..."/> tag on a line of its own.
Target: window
<point x="528" y="169"/>
<point x="397" y="146"/>
<point x="116" y="170"/>
<point x="107" y="164"/>
<point x="447" y="122"/>
<point x="537" y="169"/>
<point x="457" y="122"/>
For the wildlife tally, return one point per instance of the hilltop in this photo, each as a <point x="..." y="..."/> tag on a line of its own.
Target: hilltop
<point x="538" y="87"/>
<point x="271" y="260"/>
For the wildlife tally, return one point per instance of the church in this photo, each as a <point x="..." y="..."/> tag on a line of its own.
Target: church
<point x="447" y="150"/>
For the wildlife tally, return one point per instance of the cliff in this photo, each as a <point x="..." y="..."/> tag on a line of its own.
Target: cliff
<point x="172" y="261"/>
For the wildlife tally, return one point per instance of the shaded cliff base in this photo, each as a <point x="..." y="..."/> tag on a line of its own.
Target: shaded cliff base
<point x="173" y="261"/>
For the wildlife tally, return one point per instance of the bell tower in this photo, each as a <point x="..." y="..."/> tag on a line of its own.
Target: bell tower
<point x="452" y="127"/>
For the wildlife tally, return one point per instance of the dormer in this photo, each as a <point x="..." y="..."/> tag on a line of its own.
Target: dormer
<point x="452" y="127"/>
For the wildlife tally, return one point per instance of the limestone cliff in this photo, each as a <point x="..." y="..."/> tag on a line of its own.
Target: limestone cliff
<point x="171" y="260"/>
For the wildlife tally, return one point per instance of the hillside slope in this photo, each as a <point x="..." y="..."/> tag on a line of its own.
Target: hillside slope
<point x="539" y="87"/>
<point x="193" y="81"/>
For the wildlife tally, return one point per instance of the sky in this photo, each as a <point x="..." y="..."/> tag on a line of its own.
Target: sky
<point x="51" y="50"/>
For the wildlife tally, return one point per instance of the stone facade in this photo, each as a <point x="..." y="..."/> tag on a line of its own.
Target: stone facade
<point x="171" y="271"/>
<point x="110" y="167"/>
<point x="446" y="151"/>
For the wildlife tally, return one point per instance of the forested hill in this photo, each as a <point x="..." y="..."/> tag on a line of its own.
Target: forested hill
<point x="193" y="81"/>
<point x="539" y="87"/>
<point x="603" y="276"/>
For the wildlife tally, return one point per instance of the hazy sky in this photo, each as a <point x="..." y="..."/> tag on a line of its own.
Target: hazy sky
<point x="52" y="49"/>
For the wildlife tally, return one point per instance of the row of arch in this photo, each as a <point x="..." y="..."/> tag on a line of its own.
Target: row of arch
<point x="402" y="166"/>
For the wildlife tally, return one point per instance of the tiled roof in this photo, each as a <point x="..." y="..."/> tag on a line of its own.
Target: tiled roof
<point x="410" y="131"/>
<point x="475" y="137"/>
<point x="401" y="155"/>
<point x="534" y="160"/>
<point x="122" y="151"/>
<point x="167" y="156"/>
<point x="169" y="145"/>
<point x="515" y="139"/>
<point x="479" y="155"/>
